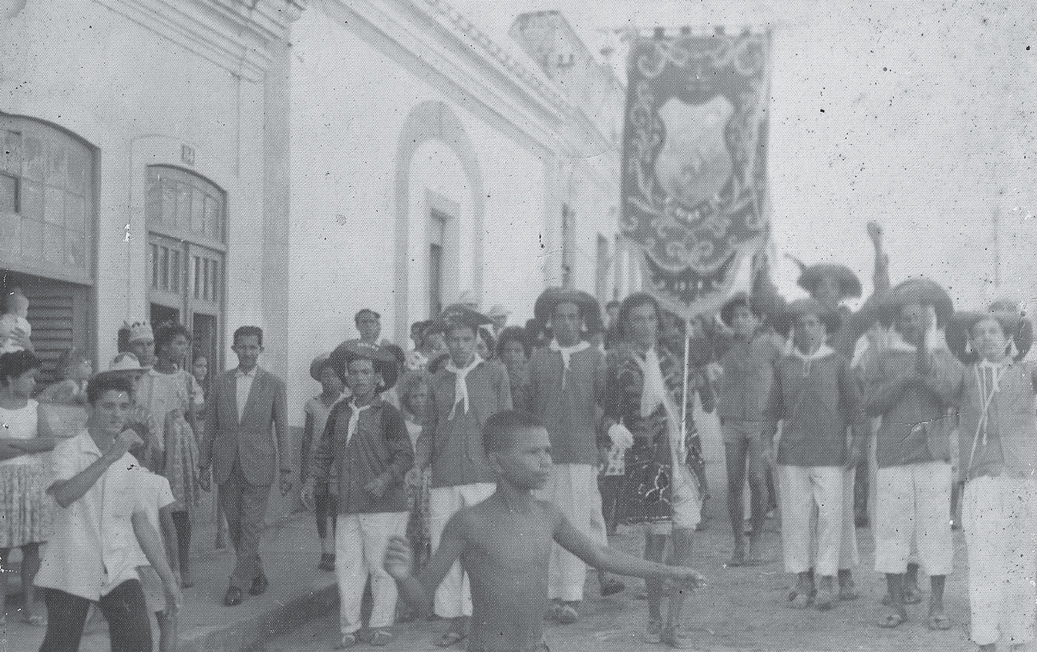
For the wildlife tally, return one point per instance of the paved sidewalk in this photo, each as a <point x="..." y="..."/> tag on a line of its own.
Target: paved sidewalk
<point x="298" y="593"/>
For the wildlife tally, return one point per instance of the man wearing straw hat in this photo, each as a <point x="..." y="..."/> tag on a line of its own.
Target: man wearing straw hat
<point x="566" y="387"/>
<point x="910" y="385"/>
<point x="462" y="396"/>
<point x="816" y="397"/>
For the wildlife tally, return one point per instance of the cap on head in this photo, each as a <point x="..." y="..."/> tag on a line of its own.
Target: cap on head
<point x="727" y="312"/>
<point x="498" y="311"/>
<point x="125" y="361"/>
<point x="366" y="311"/>
<point x="460" y="315"/>
<point x="141" y="331"/>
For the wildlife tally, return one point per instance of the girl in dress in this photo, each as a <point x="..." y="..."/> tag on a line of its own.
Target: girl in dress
<point x="24" y="475"/>
<point x="317" y="409"/>
<point x="173" y="396"/>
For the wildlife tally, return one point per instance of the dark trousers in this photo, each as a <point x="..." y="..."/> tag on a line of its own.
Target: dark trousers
<point x="325" y="506"/>
<point x="129" y="627"/>
<point x="244" y="505"/>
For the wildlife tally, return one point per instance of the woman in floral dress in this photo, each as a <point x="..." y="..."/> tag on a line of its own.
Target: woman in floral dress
<point x="169" y="392"/>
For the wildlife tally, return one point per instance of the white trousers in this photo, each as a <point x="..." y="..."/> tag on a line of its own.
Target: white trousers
<point x="999" y="516"/>
<point x="360" y="542"/>
<point x="913" y="504"/>
<point x="573" y="488"/>
<point x="454" y="596"/>
<point x="803" y="487"/>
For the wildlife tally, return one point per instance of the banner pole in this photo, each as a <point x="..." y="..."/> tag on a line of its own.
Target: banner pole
<point x="684" y="400"/>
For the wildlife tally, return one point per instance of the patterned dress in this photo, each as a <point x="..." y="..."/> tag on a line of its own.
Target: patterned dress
<point x="26" y="511"/>
<point x="168" y="397"/>
<point x="645" y="495"/>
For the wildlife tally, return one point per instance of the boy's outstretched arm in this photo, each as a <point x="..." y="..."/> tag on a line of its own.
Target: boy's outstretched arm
<point x="399" y="562"/>
<point x="614" y="561"/>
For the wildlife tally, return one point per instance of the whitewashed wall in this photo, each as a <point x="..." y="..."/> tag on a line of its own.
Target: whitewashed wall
<point x="350" y="106"/>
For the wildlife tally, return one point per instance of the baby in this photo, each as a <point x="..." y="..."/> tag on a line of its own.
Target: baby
<point x="16" y="309"/>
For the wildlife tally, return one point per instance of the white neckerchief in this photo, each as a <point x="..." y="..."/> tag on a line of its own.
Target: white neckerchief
<point x="354" y="418"/>
<point x="822" y="351"/>
<point x="654" y="393"/>
<point x="934" y="338"/>
<point x="567" y="353"/>
<point x="461" y="384"/>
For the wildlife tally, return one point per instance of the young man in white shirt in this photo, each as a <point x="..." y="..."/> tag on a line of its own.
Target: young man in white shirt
<point x="93" y="554"/>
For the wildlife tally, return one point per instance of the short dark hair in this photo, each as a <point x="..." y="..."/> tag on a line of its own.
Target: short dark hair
<point x="636" y="300"/>
<point x="512" y="334"/>
<point x="498" y="430"/>
<point x="168" y="332"/>
<point x="106" y="382"/>
<point x="247" y="331"/>
<point x="16" y="363"/>
<point x="363" y="311"/>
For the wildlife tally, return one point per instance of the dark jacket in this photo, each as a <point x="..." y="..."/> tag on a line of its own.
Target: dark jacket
<point x="454" y="447"/>
<point x="380" y="447"/>
<point x="816" y="401"/>
<point x="570" y="415"/>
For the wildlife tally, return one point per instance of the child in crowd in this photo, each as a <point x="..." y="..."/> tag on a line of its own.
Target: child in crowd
<point x="317" y="409"/>
<point x="748" y="375"/>
<point x="366" y="440"/>
<point x="14" y="327"/>
<point x="512" y="351"/>
<point x="414" y="396"/>
<point x="155" y="499"/>
<point x="74" y="369"/>
<point x="816" y="397"/>
<point x="504" y="544"/>
<point x="25" y="510"/>
<point x="998" y="447"/>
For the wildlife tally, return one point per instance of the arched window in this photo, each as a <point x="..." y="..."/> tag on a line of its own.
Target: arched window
<point x="48" y="214"/>
<point x="187" y="225"/>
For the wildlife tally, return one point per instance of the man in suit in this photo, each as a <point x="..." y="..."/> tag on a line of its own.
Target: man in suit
<point x="239" y="447"/>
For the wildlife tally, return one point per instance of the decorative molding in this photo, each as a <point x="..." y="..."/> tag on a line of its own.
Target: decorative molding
<point x="233" y="34"/>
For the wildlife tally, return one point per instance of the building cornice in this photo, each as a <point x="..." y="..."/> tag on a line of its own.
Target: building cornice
<point x="433" y="46"/>
<point x="233" y="34"/>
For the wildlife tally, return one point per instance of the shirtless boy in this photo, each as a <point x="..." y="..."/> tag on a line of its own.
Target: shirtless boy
<point x="504" y="544"/>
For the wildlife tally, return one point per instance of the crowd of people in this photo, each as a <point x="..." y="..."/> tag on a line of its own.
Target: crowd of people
<point x="479" y="473"/>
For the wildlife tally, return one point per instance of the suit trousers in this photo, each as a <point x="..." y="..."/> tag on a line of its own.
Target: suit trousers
<point x="360" y="542"/>
<point x="244" y="505"/>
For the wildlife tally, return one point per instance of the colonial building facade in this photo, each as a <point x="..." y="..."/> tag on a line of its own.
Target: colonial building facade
<point x="287" y="162"/>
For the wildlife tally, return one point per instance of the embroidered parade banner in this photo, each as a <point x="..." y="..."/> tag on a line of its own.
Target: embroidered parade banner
<point x="694" y="164"/>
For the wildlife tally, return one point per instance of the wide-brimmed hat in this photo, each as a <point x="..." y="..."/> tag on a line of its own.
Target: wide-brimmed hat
<point x="727" y="311"/>
<point x="551" y="297"/>
<point x="382" y="359"/>
<point x="810" y="306"/>
<point x="1016" y="326"/>
<point x="918" y="290"/>
<point x="849" y="284"/>
<point x="318" y="363"/>
<point x="459" y="315"/>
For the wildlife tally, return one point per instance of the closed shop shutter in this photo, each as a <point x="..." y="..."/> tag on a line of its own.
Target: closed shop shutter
<point x="58" y="314"/>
